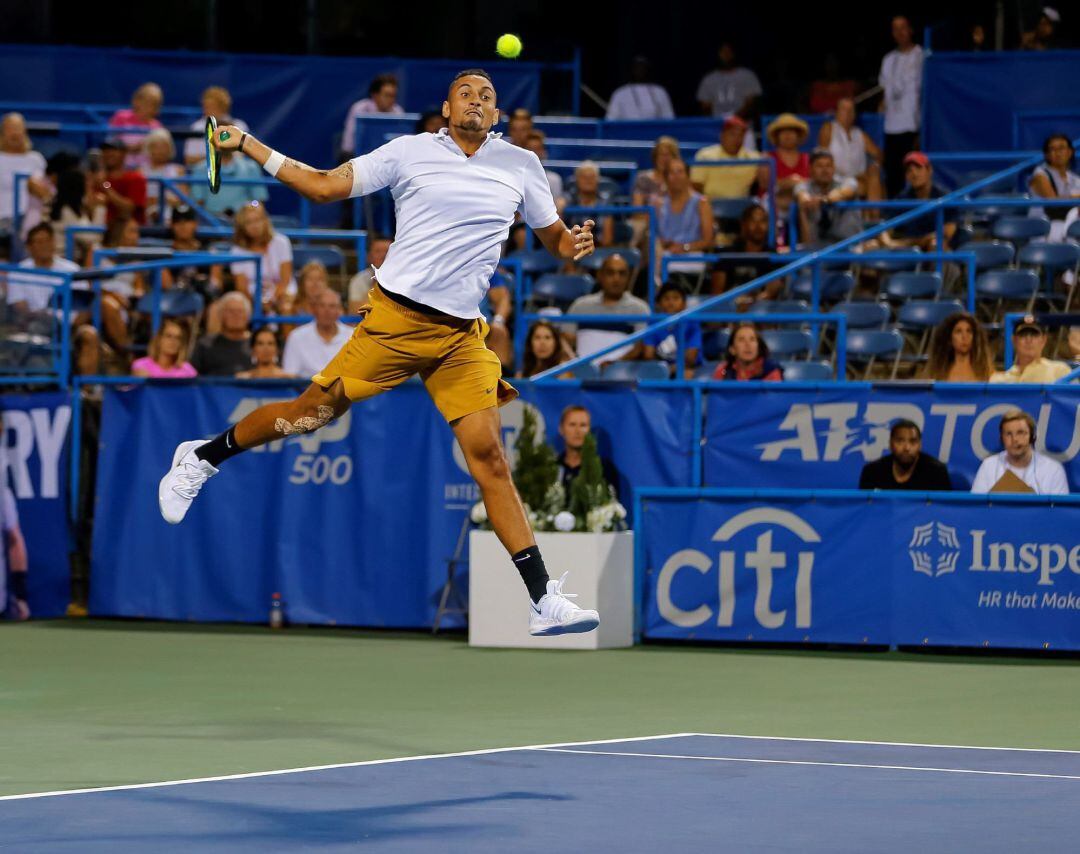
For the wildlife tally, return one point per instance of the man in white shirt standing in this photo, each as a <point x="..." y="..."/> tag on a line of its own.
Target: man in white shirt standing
<point x="1042" y="474"/>
<point x="901" y="80"/>
<point x="640" y="98"/>
<point x="456" y="194"/>
<point x="309" y="347"/>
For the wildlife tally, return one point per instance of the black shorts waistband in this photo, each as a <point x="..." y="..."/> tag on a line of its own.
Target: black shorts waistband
<point x="419" y="307"/>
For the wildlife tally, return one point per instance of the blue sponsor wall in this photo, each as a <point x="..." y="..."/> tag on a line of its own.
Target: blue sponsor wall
<point x="929" y="569"/>
<point x="33" y="464"/>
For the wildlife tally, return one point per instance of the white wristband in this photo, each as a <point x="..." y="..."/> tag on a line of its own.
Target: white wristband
<point x="273" y="163"/>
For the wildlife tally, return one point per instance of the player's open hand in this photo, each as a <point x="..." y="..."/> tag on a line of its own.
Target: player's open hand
<point x="582" y="237"/>
<point x="227" y="138"/>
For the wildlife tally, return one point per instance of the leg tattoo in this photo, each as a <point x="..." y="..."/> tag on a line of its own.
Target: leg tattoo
<point x="306" y="423"/>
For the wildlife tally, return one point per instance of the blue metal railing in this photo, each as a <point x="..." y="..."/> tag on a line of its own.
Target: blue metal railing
<point x="61" y="286"/>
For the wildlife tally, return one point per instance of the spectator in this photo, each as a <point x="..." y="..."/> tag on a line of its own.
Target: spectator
<point x="959" y="351"/>
<point x="497" y="308"/>
<point x="160" y="152"/>
<point x="118" y="188"/>
<point x="574" y="425"/>
<point x="820" y="223"/>
<point x="684" y="219"/>
<point x="228" y="352"/>
<point x="184" y="228"/>
<point x="14" y="564"/>
<point x="313" y="345"/>
<point x="901" y="80"/>
<point x="360" y="284"/>
<point x="649" y="183"/>
<point x="747" y="358"/>
<point x="72" y="205"/>
<point x="906" y="466"/>
<point x="920" y="232"/>
<point x="854" y="153"/>
<point x="1053" y="179"/>
<point x="167" y="354"/>
<point x="786" y="133"/>
<point x="254" y="234"/>
<point x="519" y="126"/>
<point x="430" y="121"/>
<point x="545" y="348"/>
<point x="119" y="292"/>
<point x="640" y="98"/>
<point x="264" y="357"/>
<point x="17" y="156"/>
<point x="33" y="294"/>
<point x="1040" y="474"/>
<point x="753" y="239"/>
<point x="726" y="182"/>
<point x="663" y="343"/>
<point x="535" y="142"/>
<point x="729" y="88"/>
<point x="1030" y="366"/>
<point x="613" y="279"/>
<point x="1044" y="36"/>
<point x="146" y="105"/>
<point x="231" y="198"/>
<point x="381" y="99"/>
<point x="587" y="192"/>
<point x="216" y="102"/>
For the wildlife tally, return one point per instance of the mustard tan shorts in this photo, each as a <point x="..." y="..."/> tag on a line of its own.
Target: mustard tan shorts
<point x="394" y="342"/>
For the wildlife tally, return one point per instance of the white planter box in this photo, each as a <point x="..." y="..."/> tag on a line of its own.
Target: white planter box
<point x="601" y="574"/>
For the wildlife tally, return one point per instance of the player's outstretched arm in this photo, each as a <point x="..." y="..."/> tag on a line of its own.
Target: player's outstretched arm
<point x="569" y="243"/>
<point x="319" y="185"/>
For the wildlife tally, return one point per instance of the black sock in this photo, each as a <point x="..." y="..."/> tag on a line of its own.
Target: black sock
<point x="216" y="451"/>
<point x="533" y="573"/>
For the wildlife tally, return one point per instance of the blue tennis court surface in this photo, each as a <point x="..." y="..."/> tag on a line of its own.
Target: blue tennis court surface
<point x="687" y="792"/>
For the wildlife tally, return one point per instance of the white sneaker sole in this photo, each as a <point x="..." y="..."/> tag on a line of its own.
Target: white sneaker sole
<point x="178" y="455"/>
<point x="584" y="623"/>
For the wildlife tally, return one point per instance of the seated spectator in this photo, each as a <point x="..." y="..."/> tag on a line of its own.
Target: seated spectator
<point x="726" y="182"/>
<point x="535" y="142"/>
<point x="1053" y="179"/>
<point x="820" y="223"/>
<point x="1030" y="366"/>
<point x="14" y="563"/>
<point x="311" y="281"/>
<point x="311" y="346"/>
<point x="360" y="284"/>
<point x="1019" y="467"/>
<point x="574" y="425"/>
<point x="545" y="348"/>
<point x="382" y="98"/>
<point x="921" y="231"/>
<point x="430" y="121"/>
<point x="264" y="357"/>
<point x="1043" y="36"/>
<point x="663" y="343"/>
<point x="641" y="98"/>
<point x="146" y="105"/>
<point x="231" y="198"/>
<point x="906" y="466"/>
<point x="167" y="354"/>
<point x="73" y="205"/>
<point x="216" y="102"/>
<point x="747" y="358"/>
<point x="959" y="351"/>
<point x="587" y="193"/>
<point x="228" y="352"/>
<point x="649" y="184"/>
<point x="497" y="307"/>
<point x="184" y="228"/>
<point x="28" y="295"/>
<point x="518" y="127"/>
<point x="160" y="152"/>
<point x="119" y="292"/>
<point x="786" y="133"/>
<point x="729" y="88"/>
<point x="613" y="279"/>
<point x="18" y="157"/>
<point x="254" y="234"/>
<point x="121" y="190"/>
<point x="855" y="154"/>
<point x="753" y="239"/>
<point x="684" y="219"/>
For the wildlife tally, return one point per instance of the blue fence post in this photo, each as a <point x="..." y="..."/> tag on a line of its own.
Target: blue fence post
<point x="772" y="202"/>
<point x="16" y="216"/>
<point x="696" y="426"/>
<point x="653" y="256"/>
<point x="939" y="232"/>
<point x="1010" y="325"/>
<point x="841" y="347"/>
<point x="64" y="368"/>
<point x="793" y="226"/>
<point x="155" y="302"/>
<point x="971" y="271"/>
<point x="257" y="313"/>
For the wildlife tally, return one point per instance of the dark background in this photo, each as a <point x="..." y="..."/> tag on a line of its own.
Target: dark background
<point x="785" y="44"/>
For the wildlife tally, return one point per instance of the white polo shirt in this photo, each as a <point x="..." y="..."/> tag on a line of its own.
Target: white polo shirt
<point x="453" y="213"/>
<point x="1043" y="474"/>
<point x="35" y="291"/>
<point x="307" y="352"/>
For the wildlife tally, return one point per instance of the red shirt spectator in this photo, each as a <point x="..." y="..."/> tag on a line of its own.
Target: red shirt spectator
<point x="747" y="358"/>
<point x="121" y="190"/>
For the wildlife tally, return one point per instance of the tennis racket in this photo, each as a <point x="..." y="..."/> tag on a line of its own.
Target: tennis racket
<point x="213" y="156"/>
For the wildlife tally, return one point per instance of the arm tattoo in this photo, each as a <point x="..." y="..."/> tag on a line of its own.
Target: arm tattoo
<point x="296" y="164"/>
<point x="345" y="170"/>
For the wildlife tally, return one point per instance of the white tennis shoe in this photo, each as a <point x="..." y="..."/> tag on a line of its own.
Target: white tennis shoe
<point x="183" y="481"/>
<point x="555" y="614"/>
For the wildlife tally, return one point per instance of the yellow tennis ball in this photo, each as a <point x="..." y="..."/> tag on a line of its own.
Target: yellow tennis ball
<point x="508" y="46"/>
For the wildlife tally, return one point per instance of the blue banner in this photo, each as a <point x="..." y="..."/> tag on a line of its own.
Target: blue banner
<point x="798" y="437"/>
<point x="34" y="465"/>
<point x="352" y="524"/>
<point x="905" y="569"/>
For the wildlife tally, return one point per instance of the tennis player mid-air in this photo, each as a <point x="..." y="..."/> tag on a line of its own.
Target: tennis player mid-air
<point x="456" y="193"/>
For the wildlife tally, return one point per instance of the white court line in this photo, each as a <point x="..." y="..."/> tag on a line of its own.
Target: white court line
<point x="880" y="743"/>
<point x="806" y="762"/>
<point x="251" y="774"/>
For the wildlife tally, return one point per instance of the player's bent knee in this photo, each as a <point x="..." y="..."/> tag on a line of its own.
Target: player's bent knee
<point x="490" y="462"/>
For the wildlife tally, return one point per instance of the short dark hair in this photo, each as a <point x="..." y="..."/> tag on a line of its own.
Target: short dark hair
<point x="472" y="72"/>
<point x="904" y="424"/>
<point x="820" y="154"/>
<point x="669" y="287"/>
<point x="380" y="80"/>
<point x="1052" y="138"/>
<point x="40" y="228"/>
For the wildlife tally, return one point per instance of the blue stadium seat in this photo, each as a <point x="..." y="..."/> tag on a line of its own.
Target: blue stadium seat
<point x="863" y="315"/>
<point x="175" y="302"/>
<point x="1073" y="231"/>
<point x="904" y="286"/>
<point x="992" y="253"/>
<point x="561" y="289"/>
<point x="714" y="343"/>
<point x="331" y="257"/>
<point x="1001" y="285"/>
<point x="587" y="371"/>
<point x="807" y="371"/>
<point x="284" y="221"/>
<point x="788" y="343"/>
<point x="730" y="208"/>
<point x="1050" y="256"/>
<point x="889" y="265"/>
<point x="651" y="370"/>
<point x="1020" y="227"/>
<point x="780" y="306"/>
<point x="865" y="346"/>
<point x="593" y="262"/>
<point x="622" y="232"/>
<point x="924" y="314"/>
<point x="963" y="235"/>
<point x="535" y="261"/>
<point x="834" y="286"/>
<point x="705" y="370"/>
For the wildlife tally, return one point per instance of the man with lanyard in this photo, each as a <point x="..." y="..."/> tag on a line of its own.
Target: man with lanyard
<point x="456" y="193"/>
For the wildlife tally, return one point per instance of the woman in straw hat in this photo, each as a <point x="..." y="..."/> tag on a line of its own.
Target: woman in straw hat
<point x="786" y="133"/>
